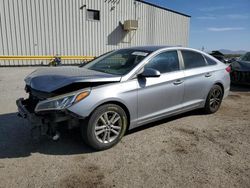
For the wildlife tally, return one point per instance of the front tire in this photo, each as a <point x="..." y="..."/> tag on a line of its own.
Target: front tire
<point x="214" y="99"/>
<point x="105" y="127"/>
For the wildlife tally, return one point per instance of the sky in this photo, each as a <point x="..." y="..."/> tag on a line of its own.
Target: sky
<point x="215" y="24"/>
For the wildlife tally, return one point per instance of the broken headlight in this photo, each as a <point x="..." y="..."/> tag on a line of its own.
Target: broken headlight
<point x="61" y="102"/>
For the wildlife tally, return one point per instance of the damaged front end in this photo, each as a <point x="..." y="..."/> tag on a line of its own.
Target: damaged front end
<point x="52" y="91"/>
<point x="46" y="112"/>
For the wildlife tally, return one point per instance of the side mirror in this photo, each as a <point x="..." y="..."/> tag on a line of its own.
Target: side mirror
<point x="149" y="72"/>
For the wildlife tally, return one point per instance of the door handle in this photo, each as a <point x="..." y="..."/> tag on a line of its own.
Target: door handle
<point x="178" y="82"/>
<point x="208" y="74"/>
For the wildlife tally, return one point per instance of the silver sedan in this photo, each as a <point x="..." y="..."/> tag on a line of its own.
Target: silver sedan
<point x="124" y="89"/>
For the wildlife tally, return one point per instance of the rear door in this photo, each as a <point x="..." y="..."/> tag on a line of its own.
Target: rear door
<point x="158" y="96"/>
<point x="198" y="78"/>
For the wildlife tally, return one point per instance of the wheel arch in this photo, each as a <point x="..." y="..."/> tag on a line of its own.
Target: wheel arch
<point x="215" y="83"/>
<point x="221" y="85"/>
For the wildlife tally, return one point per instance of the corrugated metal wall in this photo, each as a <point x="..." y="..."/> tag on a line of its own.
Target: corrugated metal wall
<point x="50" y="27"/>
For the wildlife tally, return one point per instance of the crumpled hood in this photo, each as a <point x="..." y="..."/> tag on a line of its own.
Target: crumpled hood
<point x="241" y="66"/>
<point x="53" y="78"/>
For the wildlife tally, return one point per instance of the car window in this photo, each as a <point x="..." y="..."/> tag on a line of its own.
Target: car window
<point x="165" y="62"/>
<point x="193" y="59"/>
<point x="210" y="61"/>
<point x="245" y="57"/>
<point x="118" y="62"/>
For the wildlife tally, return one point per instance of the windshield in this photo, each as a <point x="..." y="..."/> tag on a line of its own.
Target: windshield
<point x="245" y="57"/>
<point x="118" y="62"/>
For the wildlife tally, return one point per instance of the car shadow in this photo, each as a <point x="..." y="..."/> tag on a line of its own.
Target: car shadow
<point x="16" y="140"/>
<point x="166" y="120"/>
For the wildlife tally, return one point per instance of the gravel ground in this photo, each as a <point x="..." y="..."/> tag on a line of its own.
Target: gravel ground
<point x="190" y="150"/>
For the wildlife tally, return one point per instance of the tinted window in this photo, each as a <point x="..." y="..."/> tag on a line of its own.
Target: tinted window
<point x="193" y="59"/>
<point x="93" y="14"/>
<point x="165" y="62"/>
<point x="245" y="57"/>
<point x="210" y="61"/>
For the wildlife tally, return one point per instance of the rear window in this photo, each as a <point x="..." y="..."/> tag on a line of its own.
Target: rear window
<point x="193" y="59"/>
<point x="210" y="61"/>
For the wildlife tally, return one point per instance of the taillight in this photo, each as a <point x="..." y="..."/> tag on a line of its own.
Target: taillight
<point x="228" y="69"/>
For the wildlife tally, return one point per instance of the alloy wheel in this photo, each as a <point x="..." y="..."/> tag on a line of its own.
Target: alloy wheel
<point x="215" y="99"/>
<point x="108" y="127"/>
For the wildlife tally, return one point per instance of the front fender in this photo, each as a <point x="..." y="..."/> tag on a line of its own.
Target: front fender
<point x="124" y="93"/>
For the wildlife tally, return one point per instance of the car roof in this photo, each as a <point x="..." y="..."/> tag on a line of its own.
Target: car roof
<point x="150" y="48"/>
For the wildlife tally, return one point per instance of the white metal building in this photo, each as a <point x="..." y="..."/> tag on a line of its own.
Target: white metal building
<point x="86" y="27"/>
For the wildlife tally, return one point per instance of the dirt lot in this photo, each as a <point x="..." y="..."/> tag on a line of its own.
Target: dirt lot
<point x="191" y="150"/>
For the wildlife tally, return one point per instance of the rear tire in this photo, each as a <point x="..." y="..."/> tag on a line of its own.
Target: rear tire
<point x="105" y="127"/>
<point x="214" y="99"/>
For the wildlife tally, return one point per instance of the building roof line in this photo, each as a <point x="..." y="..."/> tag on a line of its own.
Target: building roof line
<point x="164" y="8"/>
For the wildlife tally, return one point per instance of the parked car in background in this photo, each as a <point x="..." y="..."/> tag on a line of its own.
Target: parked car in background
<point x="231" y="60"/>
<point x="218" y="55"/>
<point x="240" y="73"/>
<point x="122" y="90"/>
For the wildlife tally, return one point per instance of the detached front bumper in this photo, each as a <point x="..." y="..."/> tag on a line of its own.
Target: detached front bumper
<point x="39" y="126"/>
<point x="43" y="124"/>
<point x="26" y="114"/>
<point x="41" y="118"/>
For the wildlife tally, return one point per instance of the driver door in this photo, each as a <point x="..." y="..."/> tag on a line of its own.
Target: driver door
<point x="159" y="96"/>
